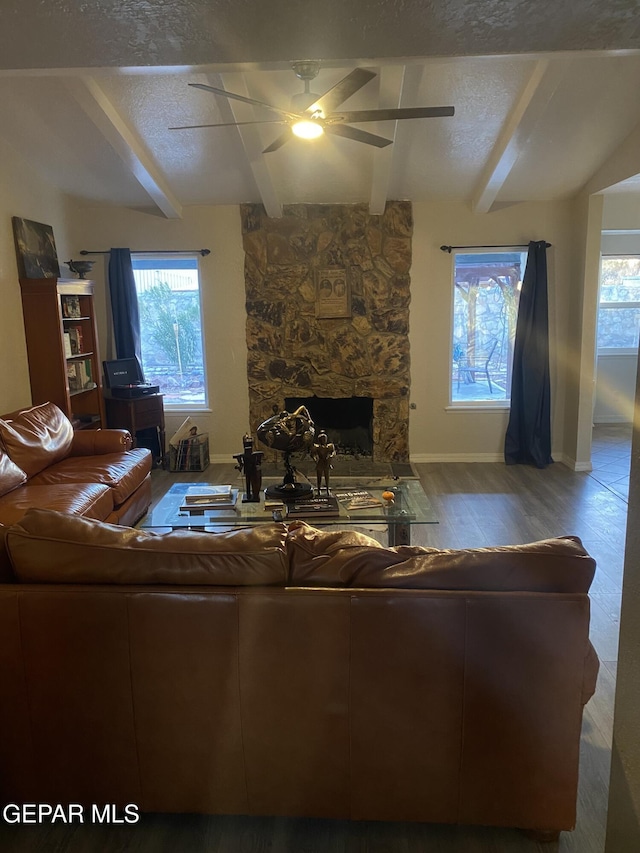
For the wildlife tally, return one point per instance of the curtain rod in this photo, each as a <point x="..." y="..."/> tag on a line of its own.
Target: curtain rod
<point x="203" y="252"/>
<point x="502" y="246"/>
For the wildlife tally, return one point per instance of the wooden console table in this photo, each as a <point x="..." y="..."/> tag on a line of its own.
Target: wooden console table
<point x="136" y="414"/>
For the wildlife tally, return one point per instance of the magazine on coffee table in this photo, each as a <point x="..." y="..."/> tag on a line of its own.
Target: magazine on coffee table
<point x="354" y="499"/>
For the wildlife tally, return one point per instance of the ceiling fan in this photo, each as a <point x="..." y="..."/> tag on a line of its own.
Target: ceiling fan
<point x="311" y="115"/>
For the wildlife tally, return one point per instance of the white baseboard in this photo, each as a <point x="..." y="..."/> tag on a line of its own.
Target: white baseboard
<point x="572" y="464"/>
<point x="493" y="457"/>
<point x="457" y="457"/>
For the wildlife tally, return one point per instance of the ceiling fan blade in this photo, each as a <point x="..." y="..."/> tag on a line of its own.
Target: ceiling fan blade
<point x="342" y="90"/>
<point x="226" y="124"/>
<point x="392" y="115"/>
<point x="242" y="98"/>
<point x="279" y="141"/>
<point x="357" y="135"/>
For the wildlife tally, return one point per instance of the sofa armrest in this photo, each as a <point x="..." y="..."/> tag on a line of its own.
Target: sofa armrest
<point x="95" y="442"/>
<point x="590" y="677"/>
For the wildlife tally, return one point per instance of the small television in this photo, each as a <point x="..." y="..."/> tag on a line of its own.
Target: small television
<point x="122" y="371"/>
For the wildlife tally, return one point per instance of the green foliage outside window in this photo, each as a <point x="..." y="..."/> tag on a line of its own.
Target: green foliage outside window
<point x="171" y="321"/>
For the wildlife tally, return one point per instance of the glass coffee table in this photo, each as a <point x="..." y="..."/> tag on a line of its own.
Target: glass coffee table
<point x="410" y="507"/>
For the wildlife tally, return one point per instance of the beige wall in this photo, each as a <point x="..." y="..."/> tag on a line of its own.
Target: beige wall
<point x="22" y="193"/>
<point x="436" y="433"/>
<point x="621" y="211"/>
<point x="581" y="332"/>
<point x="223" y="300"/>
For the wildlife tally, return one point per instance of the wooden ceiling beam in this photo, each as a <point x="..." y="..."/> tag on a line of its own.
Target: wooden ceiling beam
<point x="391" y="81"/>
<point x="521" y="121"/>
<point x="250" y="138"/>
<point x="622" y="165"/>
<point x="126" y="142"/>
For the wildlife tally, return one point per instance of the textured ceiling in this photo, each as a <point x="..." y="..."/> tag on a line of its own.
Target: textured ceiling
<point x="201" y="32"/>
<point x="545" y="95"/>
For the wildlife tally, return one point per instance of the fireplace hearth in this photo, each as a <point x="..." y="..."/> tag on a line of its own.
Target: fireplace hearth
<point x="348" y="421"/>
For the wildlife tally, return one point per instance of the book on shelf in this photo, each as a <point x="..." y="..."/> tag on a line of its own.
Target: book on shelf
<point x="204" y="493"/>
<point x="84" y="373"/>
<point x="68" y="352"/>
<point x="354" y="499"/>
<point x="206" y="504"/>
<point x="71" y="307"/>
<point x="317" y="507"/>
<point x="79" y="377"/>
<point x="76" y="340"/>
<point x="73" y="378"/>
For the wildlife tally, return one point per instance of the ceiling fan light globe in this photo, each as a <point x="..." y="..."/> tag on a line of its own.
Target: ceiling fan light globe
<point x="307" y="129"/>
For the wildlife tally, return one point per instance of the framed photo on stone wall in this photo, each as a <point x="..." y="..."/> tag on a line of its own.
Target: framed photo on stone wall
<point x="333" y="294"/>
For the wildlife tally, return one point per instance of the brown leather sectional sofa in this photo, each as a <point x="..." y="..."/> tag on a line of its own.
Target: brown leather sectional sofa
<point x="282" y="670"/>
<point x="45" y="463"/>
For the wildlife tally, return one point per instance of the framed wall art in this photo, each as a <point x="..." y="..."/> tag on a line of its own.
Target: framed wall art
<point x="35" y="249"/>
<point x="333" y="295"/>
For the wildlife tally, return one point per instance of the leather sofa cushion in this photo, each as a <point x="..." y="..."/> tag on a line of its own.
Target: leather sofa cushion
<point x="122" y="472"/>
<point x="335" y="559"/>
<point x="6" y="572"/>
<point x="37" y="437"/>
<point x="48" y="547"/>
<point x="10" y="475"/>
<point x="88" y="499"/>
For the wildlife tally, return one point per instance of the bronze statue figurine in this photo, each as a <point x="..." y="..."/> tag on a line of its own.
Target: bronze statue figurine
<point x="288" y="432"/>
<point x="250" y="461"/>
<point x="323" y="452"/>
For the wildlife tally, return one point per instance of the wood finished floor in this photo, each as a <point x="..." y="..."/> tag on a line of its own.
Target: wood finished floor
<point x="478" y="505"/>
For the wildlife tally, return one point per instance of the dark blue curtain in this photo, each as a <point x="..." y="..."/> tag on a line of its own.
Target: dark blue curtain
<point x="124" y="304"/>
<point x="528" y="438"/>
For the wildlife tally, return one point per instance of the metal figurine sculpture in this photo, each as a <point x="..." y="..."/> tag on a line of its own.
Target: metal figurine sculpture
<point x="250" y="461"/>
<point x="323" y="452"/>
<point x="289" y="433"/>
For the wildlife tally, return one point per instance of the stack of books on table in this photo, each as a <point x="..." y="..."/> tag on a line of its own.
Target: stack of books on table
<point x="271" y="504"/>
<point x="200" y="498"/>
<point x="325" y="506"/>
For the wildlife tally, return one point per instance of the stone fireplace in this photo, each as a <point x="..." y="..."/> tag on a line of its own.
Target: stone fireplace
<point x="295" y="354"/>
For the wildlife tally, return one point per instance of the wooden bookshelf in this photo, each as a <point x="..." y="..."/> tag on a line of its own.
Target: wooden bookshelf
<point x="46" y="305"/>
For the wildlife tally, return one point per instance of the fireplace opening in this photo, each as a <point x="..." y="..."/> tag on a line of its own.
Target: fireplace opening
<point x="348" y="421"/>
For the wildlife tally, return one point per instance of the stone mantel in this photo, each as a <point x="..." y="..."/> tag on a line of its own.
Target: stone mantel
<point x="293" y="353"/>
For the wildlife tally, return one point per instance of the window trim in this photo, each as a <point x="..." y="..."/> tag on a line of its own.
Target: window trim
<point x="468" y="406"/>
<point x="185" y="408"/>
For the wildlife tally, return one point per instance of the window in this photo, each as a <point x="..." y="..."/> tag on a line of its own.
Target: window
<point x="486" y="292"/>
<point x="619" y="308"/>
<point x="171" y="326"/>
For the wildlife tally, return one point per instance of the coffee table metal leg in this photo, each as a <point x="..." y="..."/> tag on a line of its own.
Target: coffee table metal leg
<point x="399" y="532"/>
